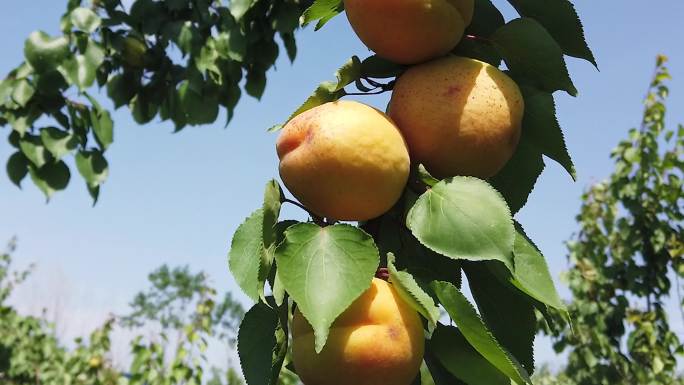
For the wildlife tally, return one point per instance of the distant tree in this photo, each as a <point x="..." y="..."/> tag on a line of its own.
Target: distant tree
<point x="177" y="301"/>
<point x="177" y="296"/>
<point x="629" y="248"/>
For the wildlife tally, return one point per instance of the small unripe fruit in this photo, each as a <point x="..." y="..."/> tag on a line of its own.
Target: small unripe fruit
<point x="459" y="116"/>
<point x="134" y="52"/>
<point x="344" y="160"/>
<point x="378" y="340"/>
<point x="95" y="362"/>
<point x="409" y="31"/>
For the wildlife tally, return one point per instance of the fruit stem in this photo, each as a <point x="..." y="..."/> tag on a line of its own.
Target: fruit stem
<point x="382" y="273"/>
<point x="317" y="220"/>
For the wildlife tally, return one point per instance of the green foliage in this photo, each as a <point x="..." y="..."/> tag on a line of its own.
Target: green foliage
<point x="624" y="257"/>
<point x="130" y="52"/>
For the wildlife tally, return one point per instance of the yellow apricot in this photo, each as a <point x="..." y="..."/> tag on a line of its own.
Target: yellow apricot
<point x="344" y="160"/>
<point x="459" y="116"/>
<point x="409" y="31"/>
<point x="378" y="340"/>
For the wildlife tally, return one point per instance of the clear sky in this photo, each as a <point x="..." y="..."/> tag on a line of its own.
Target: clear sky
<point x="177" y="198"/>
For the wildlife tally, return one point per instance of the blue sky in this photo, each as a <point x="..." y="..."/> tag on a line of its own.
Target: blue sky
<point x="177" y="198"/>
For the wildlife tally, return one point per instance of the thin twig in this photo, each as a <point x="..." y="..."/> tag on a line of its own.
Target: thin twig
<point x="366" y="93"/>
<point x="480" y="38"/>
<point x="317" y="220"/>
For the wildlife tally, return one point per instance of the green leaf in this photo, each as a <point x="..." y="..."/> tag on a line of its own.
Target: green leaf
<point x="348" y="73"/>
<point x="456" y="355"/>
<point x="17" y="168"/>
<point x="103" y="127"/>
<point x="121" y="89"/>
<point x="424" y="176"/>
<point x="93" y="166"/>
<point x="322" y="11"/>
<point x="438" y="373"/>
<point x="506" y="311"/>
<point x="320" y="96"/>
<point x="279" y="353"/>
<point x="542" y="129"/>
<point x="290" y="45"/>
<point x="271" y="209"/>
<point x="412" y="293"/>
<point x="478" y="49"/>
<point x="238" y="8"/>
<point x="272" y="231"/>
<point x="532" y="54"/>
<point x="232" y="44"/>
<point x="560" y="19"/>
<point x="23" y="92"/>
<point x="340" y="262"/>
<point x="486" y="19"/>
<point x="256" y="83"/>
<point x="518" y="177"/>
<point x="177" y="5"/>
<point x="331" y="91"/>
<point x="199" y="109"/>
<point x="6" y="87"/>
<point x="81" y="70"/>
<point x="34" y="150"/>
<point x="532" y="272"/>
<point x="287" y="18"/>
<point x="189" y="38"/>
<point x="51" y="177"/>
<point x="19" y="123"/>
<point x="379" y="68"/>
<point x="85" y="19"/>
<point x="245" y="254"/>
<point x="58" y="142"/>
<point x="45" y="53"/>
<point x="464" y="218"/>
<point x="278" y="289"/>
<point x="476" y="333"/>
<point x="256" y="343"/>
<point x="143" y="110"/>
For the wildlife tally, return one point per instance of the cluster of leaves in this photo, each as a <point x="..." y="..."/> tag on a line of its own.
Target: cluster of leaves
<point x="30" y="353"/>
<point x="180" y="60"/>
<point x="630" y="245"/>
<point x="437" y="231"/>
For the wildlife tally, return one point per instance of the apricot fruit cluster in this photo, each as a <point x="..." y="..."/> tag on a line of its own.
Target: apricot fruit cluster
<point x="345" y="160"/>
